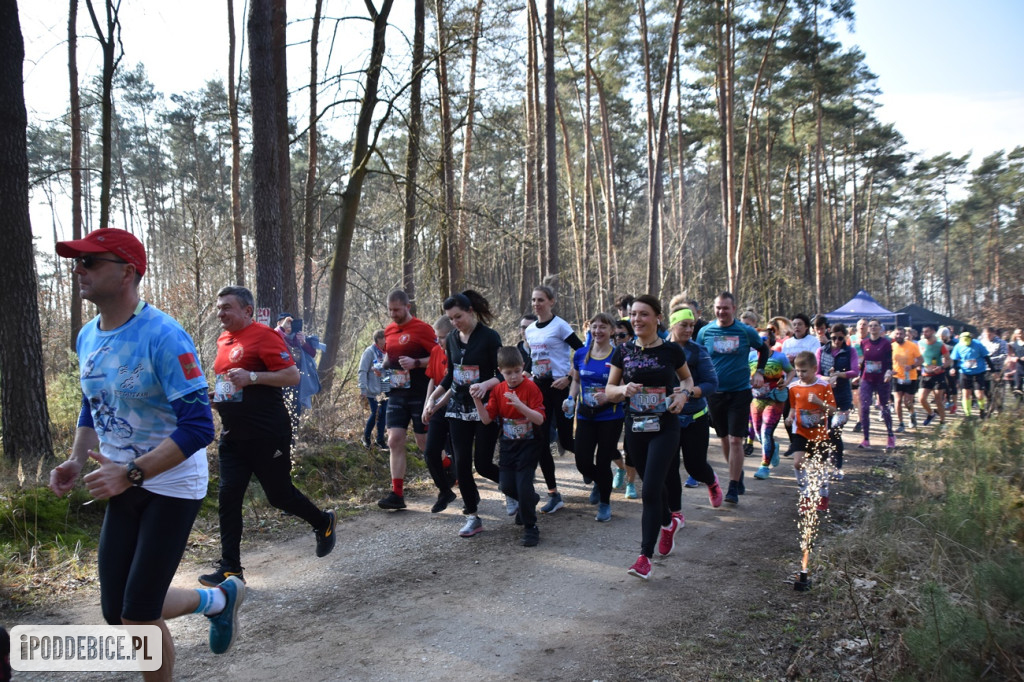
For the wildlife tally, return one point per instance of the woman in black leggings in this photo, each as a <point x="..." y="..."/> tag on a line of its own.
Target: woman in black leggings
<point x="472" y="350"/>
<point x="693" y="420"/>
<point x="647" y="373"/>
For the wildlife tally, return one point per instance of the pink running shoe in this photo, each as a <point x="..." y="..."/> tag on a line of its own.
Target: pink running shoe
<point x="715" y="493"/>
<point x="642" y="568"/>
<point x="667" y="538"/>
<point x="864" y="444"/>
<point x="892" y="442"/>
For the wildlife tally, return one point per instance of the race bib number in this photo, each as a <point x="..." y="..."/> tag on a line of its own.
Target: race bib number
<point x="400" y="378"/>
<point x="648" y="400"/>
<point x="542" y="368"/>
<point x="726" y="344"/>
<point x="225" y="392"/>
<point x="464" y="375"/>
<point x="590" y="395"/>
<point x="872" y="367"/>
<point x="810" y="419"/>
<point x="516" y="429"/>
<point x="969" y="364"/>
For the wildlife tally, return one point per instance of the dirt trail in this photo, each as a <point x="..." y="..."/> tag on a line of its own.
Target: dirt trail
<point x="403" y="597"/>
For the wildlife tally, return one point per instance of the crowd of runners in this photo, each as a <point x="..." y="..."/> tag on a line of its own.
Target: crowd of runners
<point x="658" y="379"/>
<point x="636" y="395"/>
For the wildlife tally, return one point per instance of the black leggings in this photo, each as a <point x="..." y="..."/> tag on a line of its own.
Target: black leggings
<point x="141" y="544"/>
<point x="693" y="443"/>
<point x="437" y="440"/>
<point x="473" y="443"/>
<point x="653" y="454"/>
<point x="271" y="463"/>
<point x="553" y="398"/>
<point x="602" y="436"/>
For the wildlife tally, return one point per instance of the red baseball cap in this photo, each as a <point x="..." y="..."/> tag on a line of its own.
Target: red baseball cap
<point x="118" y="242"/>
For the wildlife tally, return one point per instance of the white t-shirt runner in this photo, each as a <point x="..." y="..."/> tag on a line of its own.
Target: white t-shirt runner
<point x="551" y="355"/>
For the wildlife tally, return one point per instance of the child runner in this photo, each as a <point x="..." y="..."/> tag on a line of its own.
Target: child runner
<point x="647" y="372"/>
<point x="519" y="405"/>
<point x="811" y="399"/>
<point x="769" y="399"/>
<point x="598" y="421"/>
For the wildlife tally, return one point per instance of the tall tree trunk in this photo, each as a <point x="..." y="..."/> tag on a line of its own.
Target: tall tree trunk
<point x="580" y="299"/>
<point x="412" y="158"/>
<point x="289" y="293"/>
<point x="611" y="202"/>
<point x="361" y="154"/>
<point x="26" y="419"/>
<point x="310" y="205"/>
<point x="107" y="38"/>
<point x="726" y="37"/>
<point x="451" y="271"/>
<point x="655" y="173"/>
<point x="76" y="160"/>
<point x="462" y="229"/>
<point x="236" y="154"/>
<point x="265" y="168"/>
<point x="552" y="266"/>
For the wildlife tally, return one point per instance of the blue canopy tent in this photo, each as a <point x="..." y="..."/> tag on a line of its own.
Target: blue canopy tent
<point x="864" y="306"/>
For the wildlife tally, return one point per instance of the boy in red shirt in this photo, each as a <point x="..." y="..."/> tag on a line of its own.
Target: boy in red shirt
<point x="811" y="400"/>
<point x="519" y="405"/>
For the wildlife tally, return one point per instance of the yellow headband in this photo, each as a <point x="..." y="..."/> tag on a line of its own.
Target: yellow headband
<point x="680" y="315"/>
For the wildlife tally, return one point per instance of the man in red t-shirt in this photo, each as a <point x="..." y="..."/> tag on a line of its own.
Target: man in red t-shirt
<point x="252" y="366"/>
<point x="407" y="345"/>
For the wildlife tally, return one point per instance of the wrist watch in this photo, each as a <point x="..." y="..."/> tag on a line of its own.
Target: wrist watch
<point x="253" y="377"/>
<point x="134" y="474"/>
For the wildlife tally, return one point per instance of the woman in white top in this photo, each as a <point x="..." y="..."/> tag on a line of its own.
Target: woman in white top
<point x="552" y="342"/>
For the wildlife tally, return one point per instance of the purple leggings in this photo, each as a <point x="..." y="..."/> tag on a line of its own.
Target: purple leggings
<point x="882" y="389"/>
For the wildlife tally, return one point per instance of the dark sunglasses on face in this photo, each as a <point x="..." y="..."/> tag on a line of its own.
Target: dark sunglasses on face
<point x="621" y="336"/>
<point x="840" y="337"/>
<point x="89" y="261"/>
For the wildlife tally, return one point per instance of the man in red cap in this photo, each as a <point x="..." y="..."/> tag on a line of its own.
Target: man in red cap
<point x="146" y="421"/>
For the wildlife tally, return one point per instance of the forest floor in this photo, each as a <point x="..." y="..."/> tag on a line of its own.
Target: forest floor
<point x="403" y="597"/>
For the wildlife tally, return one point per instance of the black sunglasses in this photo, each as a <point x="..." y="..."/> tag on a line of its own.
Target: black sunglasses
<point x="838" y="338"/>
<point x="88" y="261"/>
<point x="622" y="335"/>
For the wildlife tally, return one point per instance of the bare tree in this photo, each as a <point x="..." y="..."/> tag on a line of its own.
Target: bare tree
<point x="76" y="159"/>
<point x="289" y="293"/>
<point x="26" y="419"/>
<point x="309" y="214"/>
<point x="236" y="153"/>
<point x="451" y="270"/>
<point x="412" y="158"/>
<point x="107" y="34"/>
<point x="361" y="154"/>
<point x="551" y="266"/>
